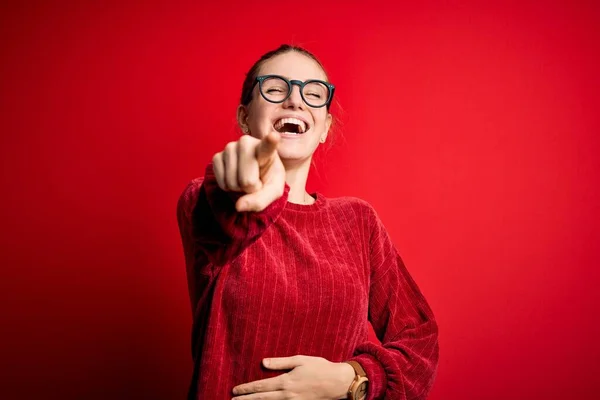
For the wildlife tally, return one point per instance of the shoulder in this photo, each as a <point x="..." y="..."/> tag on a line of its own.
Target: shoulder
<point x="359" y="208"/>
<point x="191" y="188"/>
<point x="189" y="195"/>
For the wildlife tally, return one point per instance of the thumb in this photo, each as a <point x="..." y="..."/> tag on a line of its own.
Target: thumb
<point x="266" y="148"/>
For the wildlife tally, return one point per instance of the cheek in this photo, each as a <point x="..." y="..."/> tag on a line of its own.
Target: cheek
<point x="260" y="115"/>
<point x="320" y="121"/>
<point x="259" y="119"/>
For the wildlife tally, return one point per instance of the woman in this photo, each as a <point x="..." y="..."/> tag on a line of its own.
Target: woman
<point x="282" y="282"/>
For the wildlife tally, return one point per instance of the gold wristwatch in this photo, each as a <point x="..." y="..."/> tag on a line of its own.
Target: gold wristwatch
<point x="358" y="388"/>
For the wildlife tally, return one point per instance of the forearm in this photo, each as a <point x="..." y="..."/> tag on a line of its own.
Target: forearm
<point x="209" y="222"/>
<point x="404" y="368"/>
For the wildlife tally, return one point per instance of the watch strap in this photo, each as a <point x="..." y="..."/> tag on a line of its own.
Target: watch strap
<point x="357" y="368"/>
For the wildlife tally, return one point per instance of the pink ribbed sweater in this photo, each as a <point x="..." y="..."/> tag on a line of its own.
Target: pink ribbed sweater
<point x="299" y="279"/>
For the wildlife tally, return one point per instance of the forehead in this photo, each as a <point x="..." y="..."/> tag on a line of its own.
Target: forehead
<point x="293" y="65"/>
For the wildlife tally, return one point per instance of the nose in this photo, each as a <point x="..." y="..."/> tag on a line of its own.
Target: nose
<point x="294" y="101"/>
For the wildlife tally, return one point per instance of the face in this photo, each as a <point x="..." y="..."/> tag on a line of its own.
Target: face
<point x="261" y="117"/>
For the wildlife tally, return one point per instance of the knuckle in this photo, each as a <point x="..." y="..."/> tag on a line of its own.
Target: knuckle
<point x="230" y="147"/>
<point x="245" y="139"/>
<point x="246" y="148"/>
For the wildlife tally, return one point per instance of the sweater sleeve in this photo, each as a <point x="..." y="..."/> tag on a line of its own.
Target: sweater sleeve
<point x="212" y="230"/>
<point x="403" y="367"/>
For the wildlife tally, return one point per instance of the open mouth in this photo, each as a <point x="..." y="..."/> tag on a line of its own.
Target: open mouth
<point x="290" y="126"/>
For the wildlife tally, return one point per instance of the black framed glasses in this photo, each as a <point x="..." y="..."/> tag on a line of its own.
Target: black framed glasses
<point x="277" y="89"/>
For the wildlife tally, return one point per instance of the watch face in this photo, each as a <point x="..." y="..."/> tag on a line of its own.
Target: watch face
<point x="361" y="392"/>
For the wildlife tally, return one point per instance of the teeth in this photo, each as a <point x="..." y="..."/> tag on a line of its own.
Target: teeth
<point x="294" y="121"/>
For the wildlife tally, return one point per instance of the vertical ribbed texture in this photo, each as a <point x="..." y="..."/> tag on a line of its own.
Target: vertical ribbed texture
<point x="297" y="279"/>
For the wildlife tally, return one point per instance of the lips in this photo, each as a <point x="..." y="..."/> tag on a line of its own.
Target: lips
<point x="290" y="125"/>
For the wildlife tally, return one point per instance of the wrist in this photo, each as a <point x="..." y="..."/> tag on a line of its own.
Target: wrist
<point x="346" y="377"/>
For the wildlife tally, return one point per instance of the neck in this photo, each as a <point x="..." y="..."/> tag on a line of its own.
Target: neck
<point x="296" y="175"/>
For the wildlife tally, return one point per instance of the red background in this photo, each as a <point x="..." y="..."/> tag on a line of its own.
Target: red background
<point x="472" y="129"/>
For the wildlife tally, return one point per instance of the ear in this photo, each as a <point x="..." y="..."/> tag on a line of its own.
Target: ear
<point x="328" y="123"/>
<point x="242" y="118"/>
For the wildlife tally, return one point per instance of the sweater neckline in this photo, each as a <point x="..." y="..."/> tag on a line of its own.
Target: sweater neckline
<point x="318" y="204"/>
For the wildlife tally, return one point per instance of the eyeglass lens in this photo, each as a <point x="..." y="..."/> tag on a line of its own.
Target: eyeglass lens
<point x="276" y="90"/>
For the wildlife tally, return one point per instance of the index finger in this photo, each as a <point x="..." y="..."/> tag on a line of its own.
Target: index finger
<point x="266" y="147"/>
<point x="264" y="385"/>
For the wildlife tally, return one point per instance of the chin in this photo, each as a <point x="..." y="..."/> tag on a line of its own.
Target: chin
<point x="291" y="155"/>
<point x="288" y="156"/>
